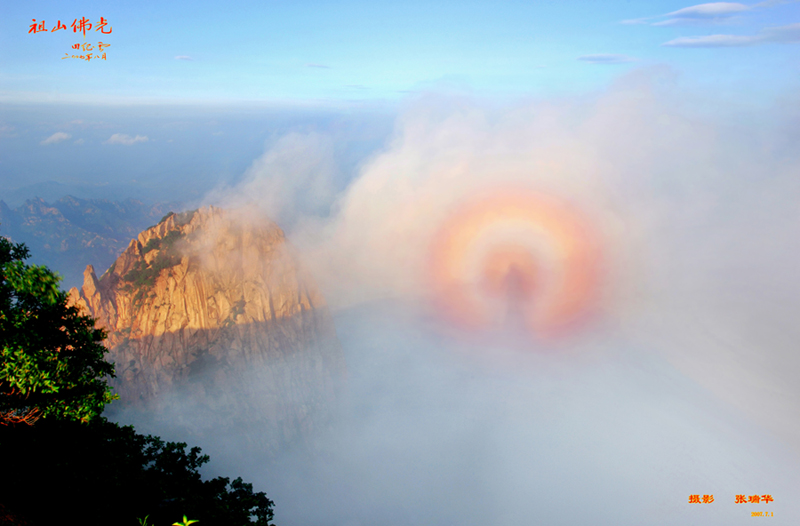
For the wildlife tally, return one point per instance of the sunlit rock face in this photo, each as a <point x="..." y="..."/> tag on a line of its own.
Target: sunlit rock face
<point x="214" y="325"/>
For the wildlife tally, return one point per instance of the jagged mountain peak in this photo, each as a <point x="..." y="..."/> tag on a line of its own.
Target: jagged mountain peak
<point x="202" y="264"/>
<point x="217" y="294"/>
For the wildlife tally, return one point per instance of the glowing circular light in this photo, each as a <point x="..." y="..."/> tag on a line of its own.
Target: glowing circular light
<point x="518" y="258"/>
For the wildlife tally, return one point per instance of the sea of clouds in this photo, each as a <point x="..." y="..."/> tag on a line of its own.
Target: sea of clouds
<point x="682" y="384"/>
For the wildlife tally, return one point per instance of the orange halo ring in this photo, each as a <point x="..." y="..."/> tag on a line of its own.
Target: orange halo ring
<point x="573" y="246"/>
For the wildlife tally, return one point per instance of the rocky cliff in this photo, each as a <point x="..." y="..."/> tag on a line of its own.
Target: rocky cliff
<point x="213" y="324"/>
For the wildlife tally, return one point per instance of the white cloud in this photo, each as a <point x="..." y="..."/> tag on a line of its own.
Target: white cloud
<point x="711" y="10"/>
<point x="183" y="57"/>
<point x="79" y="141"/>
<point x="666" y="190"/>
<point x="701" y="13"/>
<point x="698" y="249"/>
<point x="692" y="21"/>
<point x="606" y="58"/>
<point x="56" y="137"/>
<point x="292" y="179"/>
<point x="781" y="35"/>
<point x="121" y="138"/>
<point x="713" y="41"/>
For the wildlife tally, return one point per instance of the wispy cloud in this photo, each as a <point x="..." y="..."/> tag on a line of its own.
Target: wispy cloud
<point x="121" y="138"/>
<point x="701" y="13"/>
<point x="183" y="57"/>
<point x="712" y="10"/>
<point x="79" y="141"/>
<point x="693" y="21"/>
<point x="782" y="35"/>
<point x="320" y="66"/>
<point x="713" y="41"/>
<point x="56" y="137"/>
<point x="606" y="58"/>
<point x="721" y="12"/>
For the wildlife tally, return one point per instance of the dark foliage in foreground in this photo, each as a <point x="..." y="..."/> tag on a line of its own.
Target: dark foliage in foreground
<point x="95" y="473"/>
<point x="52" y="361"/>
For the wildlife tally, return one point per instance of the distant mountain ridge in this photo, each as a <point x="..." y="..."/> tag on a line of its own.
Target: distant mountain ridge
<point x="52" y="191"/>
<point x="68" y="233"/>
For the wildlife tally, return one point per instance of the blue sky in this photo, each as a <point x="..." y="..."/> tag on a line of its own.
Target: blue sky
<point x="355" y="50"/>
<point x="197" y="92"/>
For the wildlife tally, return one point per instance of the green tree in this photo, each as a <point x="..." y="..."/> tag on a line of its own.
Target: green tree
<point x="74" y="463"/>
<point x="51" y="357"/>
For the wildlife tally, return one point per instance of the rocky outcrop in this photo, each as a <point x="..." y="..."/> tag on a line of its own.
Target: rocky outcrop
<point x="212" y="322"/>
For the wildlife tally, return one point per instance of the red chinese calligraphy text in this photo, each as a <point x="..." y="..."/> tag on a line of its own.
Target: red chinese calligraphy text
<point x="83" y="26"/>
<point x="36" y="28"/>
<point x="101" y="26"/>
